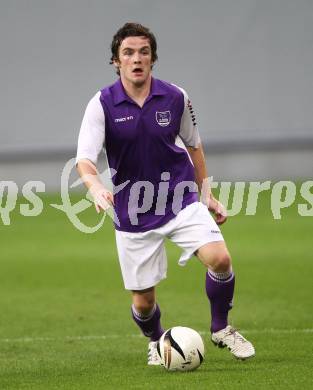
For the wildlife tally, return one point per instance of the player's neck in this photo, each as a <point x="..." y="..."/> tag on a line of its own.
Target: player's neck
<point x="138" y="93"/>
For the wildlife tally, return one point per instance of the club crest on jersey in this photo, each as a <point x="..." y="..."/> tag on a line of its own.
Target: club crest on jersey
<point x="163" y="118"/>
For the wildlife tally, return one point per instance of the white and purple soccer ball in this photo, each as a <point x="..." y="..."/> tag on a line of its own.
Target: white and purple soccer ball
<point x="181" y="349"/>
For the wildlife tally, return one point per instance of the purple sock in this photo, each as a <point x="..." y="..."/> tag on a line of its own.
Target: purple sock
<point x="220" y="291"/>
<point x="151" y="325"/>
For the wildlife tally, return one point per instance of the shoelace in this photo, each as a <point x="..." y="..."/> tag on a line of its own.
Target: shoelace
<point x="237" y="336"/>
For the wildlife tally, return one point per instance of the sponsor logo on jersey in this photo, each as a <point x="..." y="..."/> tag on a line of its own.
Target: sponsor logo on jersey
<point x="163" y="118"/>
<point x="124" y="119"/>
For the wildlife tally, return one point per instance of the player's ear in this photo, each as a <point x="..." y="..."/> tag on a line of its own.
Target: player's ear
<point x="116" y="63"/>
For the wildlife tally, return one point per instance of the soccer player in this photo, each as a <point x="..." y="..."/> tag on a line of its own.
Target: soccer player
<point x="139" y="121"/>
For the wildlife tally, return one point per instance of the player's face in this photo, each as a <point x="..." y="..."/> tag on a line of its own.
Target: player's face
<point x="134" y="60"/>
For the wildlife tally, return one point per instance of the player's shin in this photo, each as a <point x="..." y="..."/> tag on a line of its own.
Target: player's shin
<point x="149" y="324"/>
<point x="220" y="291"/>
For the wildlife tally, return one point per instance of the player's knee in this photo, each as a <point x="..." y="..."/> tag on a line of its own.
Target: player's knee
<point x="144" y="303"/>
<point x="222" y="262"/>
<point x="144" y="307"/>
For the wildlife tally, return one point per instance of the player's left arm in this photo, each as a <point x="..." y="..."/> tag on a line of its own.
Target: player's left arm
<point x="191" y="138"/>
<point x="201" y="175"/>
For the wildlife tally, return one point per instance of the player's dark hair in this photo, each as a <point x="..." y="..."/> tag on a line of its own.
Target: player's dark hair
<point x="132" y="30"/>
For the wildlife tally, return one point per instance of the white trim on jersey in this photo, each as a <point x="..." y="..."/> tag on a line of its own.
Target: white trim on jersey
<point x="188" y="128"/>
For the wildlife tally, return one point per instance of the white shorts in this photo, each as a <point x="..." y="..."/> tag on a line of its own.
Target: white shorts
<point x="142" y="256"/>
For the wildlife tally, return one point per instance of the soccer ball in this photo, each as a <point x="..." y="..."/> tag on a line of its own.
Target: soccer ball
<point x="181" y="349"/>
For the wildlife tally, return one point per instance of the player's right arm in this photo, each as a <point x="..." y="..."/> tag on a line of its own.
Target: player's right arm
<point x="102" y="197"/>
<point x="90" y="144"/>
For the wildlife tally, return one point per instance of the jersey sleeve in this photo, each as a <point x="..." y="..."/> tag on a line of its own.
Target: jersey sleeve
<point x="92" y="131"/>
<point x="188" y="127"/>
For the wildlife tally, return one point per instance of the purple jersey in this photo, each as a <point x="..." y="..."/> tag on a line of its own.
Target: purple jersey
<point x="158" y="175"/>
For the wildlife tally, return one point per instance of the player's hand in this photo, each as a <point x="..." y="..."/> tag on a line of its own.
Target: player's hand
<point x="103" y="199"/>
<point x="217" y="209"/>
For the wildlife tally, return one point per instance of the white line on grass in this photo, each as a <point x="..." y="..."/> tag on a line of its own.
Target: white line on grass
<point x="115" y="336"/>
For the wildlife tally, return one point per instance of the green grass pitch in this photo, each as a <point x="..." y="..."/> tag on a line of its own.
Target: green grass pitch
<point x="65" y="318"/>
